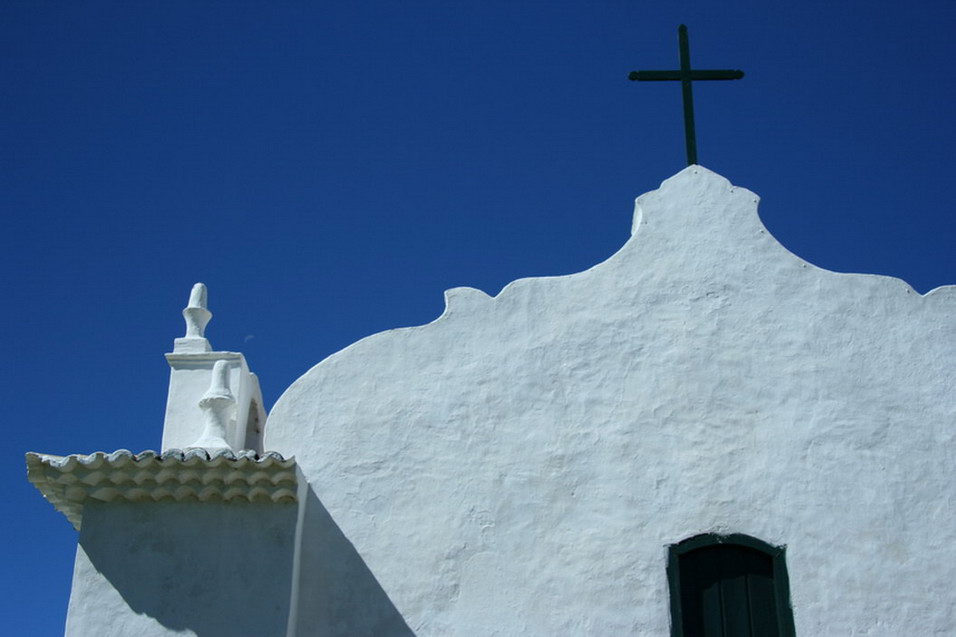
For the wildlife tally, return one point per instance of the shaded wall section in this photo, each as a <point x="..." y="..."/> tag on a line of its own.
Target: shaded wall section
<point x="183" y="568"/>
<point x="336" y="593"/>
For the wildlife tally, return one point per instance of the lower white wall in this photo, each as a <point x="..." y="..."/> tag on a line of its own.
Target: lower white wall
<point x="156" y="569"/>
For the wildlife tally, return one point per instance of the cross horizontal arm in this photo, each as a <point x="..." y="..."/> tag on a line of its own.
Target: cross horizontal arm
<point x="660" y="76"/>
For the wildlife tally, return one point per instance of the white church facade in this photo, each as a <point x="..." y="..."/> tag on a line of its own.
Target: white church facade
<point x="702" y="435"/>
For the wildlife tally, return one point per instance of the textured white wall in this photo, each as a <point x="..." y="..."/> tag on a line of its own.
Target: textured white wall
<point x="189" y="569"/>
<point x="519" y="466"/>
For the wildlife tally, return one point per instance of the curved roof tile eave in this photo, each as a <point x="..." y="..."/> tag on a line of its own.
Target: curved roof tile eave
<point x="67" y="482"/>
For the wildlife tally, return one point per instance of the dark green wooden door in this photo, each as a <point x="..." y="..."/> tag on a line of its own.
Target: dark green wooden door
<point x="727" y="591"/>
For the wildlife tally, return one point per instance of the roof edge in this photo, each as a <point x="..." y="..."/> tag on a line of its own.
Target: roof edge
<point x="68" y="482"/>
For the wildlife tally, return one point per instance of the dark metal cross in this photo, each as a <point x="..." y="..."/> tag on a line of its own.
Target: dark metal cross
<point x="685" y="75"/>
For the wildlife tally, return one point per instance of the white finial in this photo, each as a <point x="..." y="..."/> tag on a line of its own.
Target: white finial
<point x="217" y="403"/>
<point x="196" y="314"/>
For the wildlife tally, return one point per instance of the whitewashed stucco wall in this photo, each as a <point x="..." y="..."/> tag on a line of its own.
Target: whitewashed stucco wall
<point x="519" y="466"/>
<point x="185" y="569"/>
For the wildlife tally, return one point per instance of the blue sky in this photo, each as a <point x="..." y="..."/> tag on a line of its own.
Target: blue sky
<point x="328" y="169"/>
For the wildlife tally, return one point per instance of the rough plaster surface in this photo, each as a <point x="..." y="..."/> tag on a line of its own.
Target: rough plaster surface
<point x="519" y="465"/>
<point x="190" y="569"/>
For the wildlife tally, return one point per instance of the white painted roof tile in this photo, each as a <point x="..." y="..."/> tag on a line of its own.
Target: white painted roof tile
<point x="191" y="474"/>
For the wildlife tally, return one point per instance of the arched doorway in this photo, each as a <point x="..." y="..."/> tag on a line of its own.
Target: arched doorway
<point x="729" y="586"/>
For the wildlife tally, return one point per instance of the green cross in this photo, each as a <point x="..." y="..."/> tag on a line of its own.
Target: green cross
<point x="685" y="75"/>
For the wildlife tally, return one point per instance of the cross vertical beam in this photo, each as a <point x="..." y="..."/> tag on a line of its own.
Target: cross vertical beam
<point x="686" y="75"/>
<point x="690" y="133"/>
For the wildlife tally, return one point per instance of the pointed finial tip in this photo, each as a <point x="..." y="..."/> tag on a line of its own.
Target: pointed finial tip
<point x="197" y="296"/>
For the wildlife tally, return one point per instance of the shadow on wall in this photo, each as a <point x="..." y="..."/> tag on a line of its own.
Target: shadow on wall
<point x="210" y="569"/>
<point x="338" y="595"/>
<point x="222" y="570"/>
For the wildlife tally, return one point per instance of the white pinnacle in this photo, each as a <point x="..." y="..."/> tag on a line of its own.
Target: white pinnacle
<point x="195" y="313"/>
<point x="217" y="403"/>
